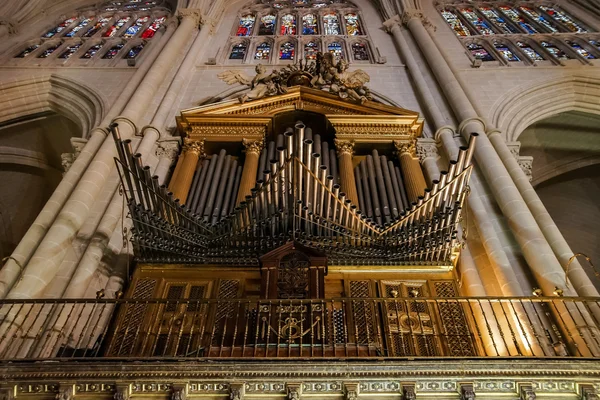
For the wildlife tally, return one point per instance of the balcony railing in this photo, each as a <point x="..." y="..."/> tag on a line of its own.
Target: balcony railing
<point x="334" y="328"/>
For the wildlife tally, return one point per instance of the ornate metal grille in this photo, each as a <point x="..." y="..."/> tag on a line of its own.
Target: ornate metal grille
<point x="293" y="277"/>
<point x="362" y="312"/>
<point x="454" y="322"/>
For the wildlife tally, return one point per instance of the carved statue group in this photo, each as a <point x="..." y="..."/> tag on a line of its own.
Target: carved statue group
<point x="325" y="73"/>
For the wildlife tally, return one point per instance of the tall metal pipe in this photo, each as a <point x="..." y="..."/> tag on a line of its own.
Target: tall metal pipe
<point x="214" y="186"/>
<point x="368" y="211"/>
<point x="334" y="166"/>
<point x="270" y="155"/>
<point x="373" y="189"/>
<point x="262" y="165"/>
<point x="236" y="188"/>
<point x="383" y="197"/>
<point x="325" y="156"/>
<point x="402" y="188"/>
<point x="472" y="141"/>
<point x="199" y="175"/>
<point x="210" y="176"/>
<point x="389" y="187"/>
<point x="359" y="188"/>
<point x="396" y="187"/>
<point x="216" y="213"/>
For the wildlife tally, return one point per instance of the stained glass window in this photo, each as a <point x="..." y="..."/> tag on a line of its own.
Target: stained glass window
<point x="286" y="51"/>
<point x="112" y="31"/>
<point x="310" y="50"/>
<point x="331" y="26"/>
<point x="300" y="3"/>
<point x="267" y="25"/>
<point x="565" y="19"/>
<point x="238" y="51"/>
<point x="479" y="23"/>
<point x="134" y="29"/>
<point x="480" y="53"/>
<point x="245" y="26"/>
<point x="113" y="51"/>
<point x="353" y="27"/>
<point x="309" y="24"/>
<point x="531" y="53"/>
<point x="457" y="26"/>
<point x="91" y="52"/>
<point x="498" y="20"/>
<point x="595" y="43"/>
<point x="540" y="19"/>
<point x="134" y="51"/>
<point x="336" y="49"/>
<point x="69" y="51"/>
<point x="505" y="52"/>
<point x="79" y="27"/>
<point x="278" y="5"/>
<point x="101" y="23"/>
<point x="46" y="53"/>
<point x="582" y="52"/>
<point x="518" y="19"/>
<point x="28" y="51"/>
<point x="288" y="24"/>
<point x="360" y="52"/>
<point x="555" y="51"/>
<point x="58" y="29"/>
<point x="263" y="51"/>
<point x="153" y="28"/>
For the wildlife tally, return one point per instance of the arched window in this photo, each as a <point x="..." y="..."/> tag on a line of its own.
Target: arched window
<point x="28" y="51"/>
<point x="310" y="50"/>
<point x="134" y="51"/>
<point x="245" y="25"/>
<point x="500" y="21"/>
<point x="59" y="28"/>
<point x="113" y="51"/>
<point x="515" y="17"/>
<point x="540" y="19"/>
<point x="69" y="51"/>
<point x="287" y="51"/>
<point x="91" y="52"/>
<point x="135" y="28"/>
<point x="360" y="52"/>
<point x="288" y="25"/>
<point x="580" y="50"/>
<point x="85" y="22"/>
<point x="505" y="52"/>
<point x="337" y="49"/>
<point x="455" y="23"/>
<point x="353" y="27"/>
<point x="564" y="19"/>
<point x="112" y="31"/>
<point x="480" y="25"/>
<point x="555" y="51"/>
<point x="263" y="51"/>
<point x="310" y="25"/>
<point x="479" y="52"/>
<point x="49" y="50"/>
<point x="318" y="20"/>
<point x="153" y="28"/>
<point x="531" y="53"/>
<point x="238" y="51"/>
<point x="331" y="25"/>
<point x="267" y="25"/>
<point x="97" y="27"/>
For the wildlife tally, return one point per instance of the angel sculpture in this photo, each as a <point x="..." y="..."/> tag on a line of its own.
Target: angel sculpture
<point x="262" y="85"/>
<point x="349" y="84"/>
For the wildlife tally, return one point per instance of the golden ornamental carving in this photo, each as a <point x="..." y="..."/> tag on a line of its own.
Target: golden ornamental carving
<point x="253" y="146"/>
<point x="344" y="147"/>
<point x="227" y="130"/>
<point x="372" y="130"/>
<point x="405" y="147"/>
<point x="193" y="146"/>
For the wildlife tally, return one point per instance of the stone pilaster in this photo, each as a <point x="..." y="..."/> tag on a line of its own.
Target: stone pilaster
<point x="427" y="153"/>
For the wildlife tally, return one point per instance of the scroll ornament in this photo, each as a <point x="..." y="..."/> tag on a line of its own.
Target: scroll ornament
<point x="325" y="73"/>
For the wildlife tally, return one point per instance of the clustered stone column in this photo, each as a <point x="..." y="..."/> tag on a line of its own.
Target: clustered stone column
<point x="345" y="150"/>
<point x="427" y="153"/>
<point x="186" y="165"/>
<point x="414" y="180"/>
<point x="252" y="149"/>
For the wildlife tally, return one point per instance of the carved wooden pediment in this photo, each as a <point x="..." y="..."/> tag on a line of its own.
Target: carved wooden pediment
<point x="231" y="121"/>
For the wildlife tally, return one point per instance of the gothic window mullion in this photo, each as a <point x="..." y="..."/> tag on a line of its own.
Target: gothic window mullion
<point x="538" y="25"/>
<point x="474" y="29"/>
<point x="491" y="23"/>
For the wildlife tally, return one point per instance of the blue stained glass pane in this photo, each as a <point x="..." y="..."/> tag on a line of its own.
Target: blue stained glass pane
<point x="518" y="19"/>
<point x="91" y="52"/>
<point x="238" y="52"/>
<point x="595" y="43"/>
<point x="531" y="53"/>
<point x="101" y="23"/>
<point x="566" y="20"/>
<point x="27" y="51"/>
<point x="112" y="31"/>
<point x="506" y="52"/>
<point x="245" y="26"/>
<point x="112" y="53"/>
<point x="79" y="26"/>
<point x="58" y="29"/>
<point x="309" y="25"/>
<point x="134" y="29"/>
<point x="480" y="53"/>
<point x="540" y="19"/>
<point x="46" y="53"/>
<point x="479" y="23"/>
<point x="287" y="51"/>
<point x="263" y="51"/>
<point x="455" y="23"/>
<point x="582" y="52"/>
<point x="498" y="20"/>
<point x="134" y="51"/>
<point x="69" y="51"/>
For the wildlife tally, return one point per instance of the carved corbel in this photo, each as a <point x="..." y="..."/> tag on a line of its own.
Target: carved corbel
<point x="426" y="148"/>
<point x="179" y="392"/>
<point x="525" y="162"/>
<point x="588" y="392"/>
<point x="390" y="24"/>
<point x="293" y="391"/>
<point x="237" y="391"/>
<point x="408" y="392"/>
<point x="526" y="392"/>
<point x="8" y="393"/>
<point x="122" y="392"/>
<point x="193" y="13"/>
<point x="466" y="391"/>
<point x="167" y="149"/>
<point x="66" y="392"/>
<point x="351" y="390"/>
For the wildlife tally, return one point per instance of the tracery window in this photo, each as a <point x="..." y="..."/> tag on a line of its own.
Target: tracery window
<point x="328" y="25"/>
<point x="530" y="22"/>
<point x="238" y="52"/>
<point x="106" y="31"/>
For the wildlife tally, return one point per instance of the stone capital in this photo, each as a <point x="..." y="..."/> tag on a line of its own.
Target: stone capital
<point x="124" y="120"/>
<point x="253" y="146"/>
<point x="473" y="124"/>
<point x="392" y="23"/>
<point x="193" y="146"/>
<point x="167" y="148"/>
<point x="405" y="147"/>
<point x="444" y="130"/>
<point x="415" y="14"/>
<point x="426" y="148"/>
<point x="192" y="13"/>
<point x="344" y="147"/>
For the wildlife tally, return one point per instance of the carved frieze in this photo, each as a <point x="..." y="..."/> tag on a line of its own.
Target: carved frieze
<point x="426" y="148"/>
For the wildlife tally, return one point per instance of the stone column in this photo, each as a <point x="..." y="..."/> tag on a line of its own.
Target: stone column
<point x="428" y="155"/>
<point x="180" y="184"/>
<point x="252" y="149"/>
<point x="414" y="180"/>
<point x="166" y="152"/>
<point x="345" y="150"/>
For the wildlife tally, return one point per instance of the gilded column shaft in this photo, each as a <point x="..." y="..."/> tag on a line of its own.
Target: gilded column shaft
<point x="345" y="150"/>
<point x="182" y="180"/>
<point x="414" y="180"/>
<point x="248" y="181"/>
